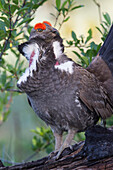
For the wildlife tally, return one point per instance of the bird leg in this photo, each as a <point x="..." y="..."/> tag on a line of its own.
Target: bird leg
<point x="58" y="141"/>
<point x="67" y="142"/>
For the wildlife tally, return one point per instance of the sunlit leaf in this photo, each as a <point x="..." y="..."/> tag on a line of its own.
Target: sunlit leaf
<point x="76" y="7"/>
<point x="73" y="35"/>
<point x="107" y="18"/>
<point x="67" y="19"/>
<point x="63" y="5"/>
<point x="15" y="1"/>
<point x="99" y="30"/>
<point x="58" y="3"/>
<point x="22" y="9"/>
<point x="14" y="8"/>
<point x="25" y="20"/>
<point x="89" y="36"/>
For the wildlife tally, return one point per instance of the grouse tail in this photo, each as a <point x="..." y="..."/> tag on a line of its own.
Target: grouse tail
<point x="106" y="51"/>
<point x="102" y="65"/>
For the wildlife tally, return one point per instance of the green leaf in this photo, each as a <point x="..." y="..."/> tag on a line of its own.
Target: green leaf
<point x="58" y="3"/>
<point x="89" y="36"/>
<point x="93" y="46"/>
<point x="1" y="6"/>
<point x="98" y="47"/>
<point x="85" y="59"/>
<point x="20" y="65"/>
<point x="6" y="21"/>
<point x="6" y="7"/>
<point x="73" y="35"/>
<point x="64" y="10"/>
<point x="99" y="30"/>
<point x="14" y="8"/>
<point x="15" y="1"/>
<point x="63" y="5"/>
<point x="35" y="6"/>
<point x="34" y="141"/>
<point x="22" y="9"/>
<point x="107" y="18"/>
<point x="3" y="78"/>
<point x="6" y="115"/>
<point x="105" y="29"/>
<point x="78" y="55"/>
<point x="24" y="21"/>
<point x="2" y="2"/>
<point x="29" y="29"/>
<point x="10" y="68"/>
<point x="70" y="43"/>
<point x="2" y="35"/>
<point x="76" y="7"/>
<point x="67" y="19"/>
<point x="52" y="14"/>
<point x="2" y="26"/>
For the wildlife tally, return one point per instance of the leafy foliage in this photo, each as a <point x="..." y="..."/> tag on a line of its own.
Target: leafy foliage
<point x="86" y="48"/>
<point x="14" y="27"/>
<point x="43" y="140"/>
<point x="63" y="10"/>
<point x="106" y="24"/>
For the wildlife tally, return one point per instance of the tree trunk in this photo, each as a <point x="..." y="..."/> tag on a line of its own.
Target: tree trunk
<point x="95" y="153"/>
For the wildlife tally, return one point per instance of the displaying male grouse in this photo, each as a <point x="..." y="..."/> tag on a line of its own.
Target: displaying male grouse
<point x="62" y="93"/>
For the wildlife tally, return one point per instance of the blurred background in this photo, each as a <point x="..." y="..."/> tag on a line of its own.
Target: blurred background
<point x="16" y="144"/>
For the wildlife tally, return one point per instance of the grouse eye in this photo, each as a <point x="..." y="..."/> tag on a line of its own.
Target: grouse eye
<point x="39" y="30"/>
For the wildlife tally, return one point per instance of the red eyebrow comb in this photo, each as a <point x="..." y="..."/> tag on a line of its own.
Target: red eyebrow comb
<point x="46" y="22"/>
<point x="40" y="26"/>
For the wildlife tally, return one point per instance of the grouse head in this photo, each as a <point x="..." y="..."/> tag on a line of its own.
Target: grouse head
<point x="44" y="31"/>
<point x="43" y="50"/>
<point x="43" y="43"/>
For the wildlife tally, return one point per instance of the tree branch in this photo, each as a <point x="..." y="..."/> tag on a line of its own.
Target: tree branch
<point x="16" y="20"/>
<point x="95" y="153"/>
<point x="12" y="90"/>
<point x="7" y="40"/>
<point x="99" y="10"/>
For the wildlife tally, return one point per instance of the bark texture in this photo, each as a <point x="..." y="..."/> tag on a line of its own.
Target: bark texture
<point x="96" y="152"/>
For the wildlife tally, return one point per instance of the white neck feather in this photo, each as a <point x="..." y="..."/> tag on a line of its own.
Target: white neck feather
<point x="28" y="49"/>
<point x="57" y="49"/>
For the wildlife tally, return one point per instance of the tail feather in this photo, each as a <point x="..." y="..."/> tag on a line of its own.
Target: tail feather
<point x="106" y="51"/>
<point x="107" y="43"/>
<point x="102" y="65"/>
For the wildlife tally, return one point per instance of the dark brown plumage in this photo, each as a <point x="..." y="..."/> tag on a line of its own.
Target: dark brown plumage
<point x="66" y="96"/>
<point x="102" y="64"/>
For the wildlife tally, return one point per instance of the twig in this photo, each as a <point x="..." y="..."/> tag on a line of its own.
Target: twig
<point x="56" y="19"/>
<point x="5" y="45"/>
<point x="6" y="109"/>
<point x="31" y="156"/>
<point x="16" y="20"/>
<point x="12" y="90"/>
<point x="9" y="162"/>
<point x="99" y="10"/>
<point x="62" y="21"/>
<point x="10" y="22"/>
<point x="7" y="40"/>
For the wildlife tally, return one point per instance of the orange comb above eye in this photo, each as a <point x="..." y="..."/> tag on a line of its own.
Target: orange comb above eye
<point x="40" y="26"/>
<point x="46" y="22"/>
